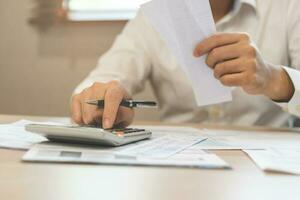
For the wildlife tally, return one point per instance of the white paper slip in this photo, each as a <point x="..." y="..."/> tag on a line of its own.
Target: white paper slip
<point x="51" y="152"/>
<point x="163" y="147"/>
<point x="277" y="160"/>
<point x="182" y="25"/>
<point x="233" y="139"/>
<point x="14" y="136"/>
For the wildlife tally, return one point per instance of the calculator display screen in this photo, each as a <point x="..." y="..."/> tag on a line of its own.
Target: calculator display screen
<point x="70" y="154"/>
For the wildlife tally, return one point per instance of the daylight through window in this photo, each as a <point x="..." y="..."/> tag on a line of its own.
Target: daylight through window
<point x="102" y="9"/>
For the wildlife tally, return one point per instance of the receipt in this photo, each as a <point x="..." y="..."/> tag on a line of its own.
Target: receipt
<point x="182" y="25"/>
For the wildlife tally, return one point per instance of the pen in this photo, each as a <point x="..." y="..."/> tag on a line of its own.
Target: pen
<point x="126" y="103"/>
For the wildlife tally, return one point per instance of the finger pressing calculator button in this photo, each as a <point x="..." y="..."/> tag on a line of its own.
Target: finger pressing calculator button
<point x="119" y="133"/>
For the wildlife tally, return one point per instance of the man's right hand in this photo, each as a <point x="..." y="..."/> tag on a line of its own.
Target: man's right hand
<point x="112" y="114"/>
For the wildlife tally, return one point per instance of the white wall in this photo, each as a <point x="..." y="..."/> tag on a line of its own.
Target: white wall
<point x="39" y="70"/>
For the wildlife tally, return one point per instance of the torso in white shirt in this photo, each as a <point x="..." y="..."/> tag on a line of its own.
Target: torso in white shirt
<point x="244" y="109"/>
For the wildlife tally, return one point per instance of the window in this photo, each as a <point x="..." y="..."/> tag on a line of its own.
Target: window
<point x="93" y="10"/>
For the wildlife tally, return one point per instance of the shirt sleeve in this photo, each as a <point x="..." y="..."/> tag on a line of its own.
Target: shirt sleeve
<point x="293" y="106"/>
<point x="127" y="61"/>
<point x="293" y="36"/>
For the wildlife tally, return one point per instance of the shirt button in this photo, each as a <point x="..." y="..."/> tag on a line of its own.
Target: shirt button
<point x="298" y="108"/>
<point x="215" y="112"/>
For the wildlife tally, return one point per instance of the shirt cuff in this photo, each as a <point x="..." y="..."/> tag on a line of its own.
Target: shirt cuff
<point x="293" y="106"/>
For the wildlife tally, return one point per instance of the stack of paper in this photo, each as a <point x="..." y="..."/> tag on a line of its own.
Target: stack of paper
<point x="169" y="146"/>
<point x="183" y="24"/>
<point x="51" y="152"/>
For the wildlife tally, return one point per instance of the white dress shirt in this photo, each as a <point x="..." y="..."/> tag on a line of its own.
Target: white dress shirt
<point x="140" y="54"/>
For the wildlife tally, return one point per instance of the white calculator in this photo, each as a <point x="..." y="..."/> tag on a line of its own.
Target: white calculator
<point x="89" y="135"/>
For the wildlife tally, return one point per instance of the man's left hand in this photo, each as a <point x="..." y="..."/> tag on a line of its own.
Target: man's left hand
<point x="237" y="62"/>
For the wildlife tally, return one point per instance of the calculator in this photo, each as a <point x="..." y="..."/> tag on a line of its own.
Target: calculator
<point x="89" y="134"/>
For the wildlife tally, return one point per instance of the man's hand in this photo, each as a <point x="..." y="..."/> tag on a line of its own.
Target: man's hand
<point x="236" y="62"/>
<point x="112" y="93"/>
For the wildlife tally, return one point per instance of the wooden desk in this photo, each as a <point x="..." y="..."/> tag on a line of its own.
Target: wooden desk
<point x="32" y="181"/>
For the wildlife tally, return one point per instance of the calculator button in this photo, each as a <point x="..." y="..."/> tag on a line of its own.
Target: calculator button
<point x="133" y="130"/>
<point x="129" y="131"/>
<point x="119" y="133"/>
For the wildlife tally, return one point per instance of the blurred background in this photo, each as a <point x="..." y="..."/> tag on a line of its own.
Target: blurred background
<point x="47" y="47"/>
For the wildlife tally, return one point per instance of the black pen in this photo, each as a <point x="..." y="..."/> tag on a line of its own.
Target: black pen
<point x="126" y="103"/>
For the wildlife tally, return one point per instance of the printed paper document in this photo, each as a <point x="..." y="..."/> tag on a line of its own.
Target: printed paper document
<point x="51" y="152"/>
<point x="14" y="135"/>
<point x="164" y="146"/>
